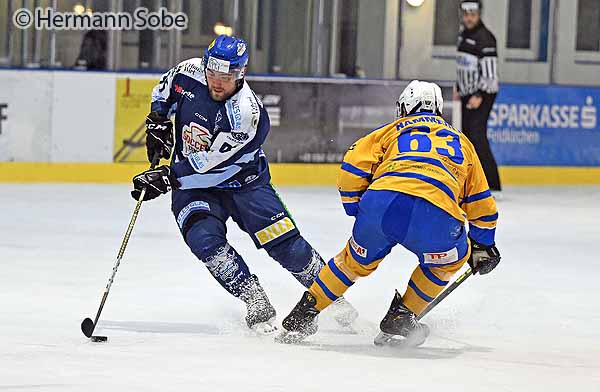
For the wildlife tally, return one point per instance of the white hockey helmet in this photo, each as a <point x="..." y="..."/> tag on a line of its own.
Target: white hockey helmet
<point x="420" y="96"/>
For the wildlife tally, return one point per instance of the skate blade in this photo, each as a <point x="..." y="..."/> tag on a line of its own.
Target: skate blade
<point x="290" y="337"/>
<point x="388" y="340"/>
<point x="265" y="328"/>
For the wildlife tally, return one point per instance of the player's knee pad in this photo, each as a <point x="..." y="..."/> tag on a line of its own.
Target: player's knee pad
<point x="203" y="234"/>
<point x="206" y="238"/>
<point x="297" y="256"/>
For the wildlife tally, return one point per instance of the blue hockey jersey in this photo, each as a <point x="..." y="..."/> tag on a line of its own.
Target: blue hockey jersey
<point x="217" y="144"/>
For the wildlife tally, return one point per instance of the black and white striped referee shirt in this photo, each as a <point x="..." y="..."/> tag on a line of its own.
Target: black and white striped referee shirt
<point x="476" y="62"/>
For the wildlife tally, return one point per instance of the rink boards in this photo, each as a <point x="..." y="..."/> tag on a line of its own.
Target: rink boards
<point x="282" y="173"/>
<point x="63" y="126"/>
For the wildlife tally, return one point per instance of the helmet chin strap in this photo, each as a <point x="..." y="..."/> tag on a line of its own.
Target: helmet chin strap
<point x="416" y="108"/>
<point x="238" y="85"/>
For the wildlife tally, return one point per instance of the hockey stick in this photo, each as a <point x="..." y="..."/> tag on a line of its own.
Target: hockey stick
<point x="87" y="325"/>
<point x="445" y="293"/>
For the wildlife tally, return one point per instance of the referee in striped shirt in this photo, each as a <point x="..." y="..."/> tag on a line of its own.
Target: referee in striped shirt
<point x="477" y="84"/>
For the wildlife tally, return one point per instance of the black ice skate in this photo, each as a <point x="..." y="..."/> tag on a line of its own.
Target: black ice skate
<point x="400" y="327"/>
<point x="301" y="322"/>
<point x="261" y="314"/>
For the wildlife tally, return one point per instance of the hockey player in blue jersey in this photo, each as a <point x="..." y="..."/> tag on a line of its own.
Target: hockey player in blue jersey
<point x="218" y="170"/>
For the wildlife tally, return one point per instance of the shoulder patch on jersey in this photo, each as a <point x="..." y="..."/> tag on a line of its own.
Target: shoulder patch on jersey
<point x="238" y="137"/>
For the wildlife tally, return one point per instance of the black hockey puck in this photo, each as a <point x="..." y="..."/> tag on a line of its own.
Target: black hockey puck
<point x="98" y="339"/>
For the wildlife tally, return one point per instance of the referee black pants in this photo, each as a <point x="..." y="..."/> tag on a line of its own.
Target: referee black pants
<point x="474" y="125"/>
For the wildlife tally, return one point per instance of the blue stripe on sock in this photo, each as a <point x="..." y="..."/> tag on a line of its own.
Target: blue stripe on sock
<point x="421" y="294"/>
<point x="339" y="274"/>
<point x="327" y="292"/>
<point x="434" y="279"/>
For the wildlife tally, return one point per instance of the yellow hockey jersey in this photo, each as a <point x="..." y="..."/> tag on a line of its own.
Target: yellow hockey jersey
<point x="424" y="156"/>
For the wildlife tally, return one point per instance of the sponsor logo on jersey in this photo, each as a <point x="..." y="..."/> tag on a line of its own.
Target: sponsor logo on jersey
<point x="275" y="230"/>
<point x="236" y="114"/>
<point x="250" y="178"/>
<point x="198" y="160"/>
<point x="441" y="258"/>
<point x="189" y="68"/>
<point x="254" y="110"/>
<point x="275" y="217"/>
<point x="238" y="137"/>
<point x="196" y="138"/>
<point x="201" y="117"/>
<point x="361" y="251"/>
<point x="253" y="105"/>
<point x="188" y="94"/>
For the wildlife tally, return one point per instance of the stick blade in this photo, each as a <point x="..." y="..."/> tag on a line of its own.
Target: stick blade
<point x="87" y="327"/>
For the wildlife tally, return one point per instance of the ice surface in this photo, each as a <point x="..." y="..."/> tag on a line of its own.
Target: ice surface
<point x="531" y="325"/>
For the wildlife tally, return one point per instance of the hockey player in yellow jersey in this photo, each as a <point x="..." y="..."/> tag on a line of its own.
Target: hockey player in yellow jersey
<point x="413" y="182"/>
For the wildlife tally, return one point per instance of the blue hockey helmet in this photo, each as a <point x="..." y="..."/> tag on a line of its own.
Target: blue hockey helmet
<point x="227" y="55"/>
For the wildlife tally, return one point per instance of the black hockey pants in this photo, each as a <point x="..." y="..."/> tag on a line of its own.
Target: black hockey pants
<point x="474" y="125"/>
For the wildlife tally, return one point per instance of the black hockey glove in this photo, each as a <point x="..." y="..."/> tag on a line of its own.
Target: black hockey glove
<point x="156" y="181"/>
<point x="483" y="258"/>
<point x="159" y="136"/>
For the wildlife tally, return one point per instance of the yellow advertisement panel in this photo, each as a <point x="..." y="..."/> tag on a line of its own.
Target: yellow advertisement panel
<point x="133" y="105"/>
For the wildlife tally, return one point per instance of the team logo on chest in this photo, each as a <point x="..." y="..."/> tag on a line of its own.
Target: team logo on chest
<point x="195" y="138"/>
